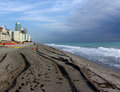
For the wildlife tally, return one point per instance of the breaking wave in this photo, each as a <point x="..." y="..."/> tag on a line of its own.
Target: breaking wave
<point x="106" y="56"/>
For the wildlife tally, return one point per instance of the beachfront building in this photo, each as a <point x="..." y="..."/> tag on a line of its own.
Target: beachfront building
<point x="11" y="35"/>
<point x="26" y="37"/>
<point x="25" y="30"/>
<point x="3" y="30"/>
<point x="18" y="35"/>
<point x="29" y="38"/>
<point x="23" y="37"/>
<point x="18" y="27"/>
<point x="4" y="36"/>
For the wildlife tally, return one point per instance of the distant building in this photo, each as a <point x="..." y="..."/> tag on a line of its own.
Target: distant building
<point x="11" y="35"/>
<point x="18" y="27"/>
<point x="19" y="35"/>
<point x="25" y="30"/>
<point x="16" y="36"/>
<point x="26" y="37"/>
<point x="3" y="30"/>
<point x="4" y="36"/>
<point x="0" y="36"/>
<point x="22" y="31"/>
<point x="29" y="39"/>
<point x="23" y="37"/>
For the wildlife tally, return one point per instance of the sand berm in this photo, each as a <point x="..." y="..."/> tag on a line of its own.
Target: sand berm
<point x="47" y="69"/>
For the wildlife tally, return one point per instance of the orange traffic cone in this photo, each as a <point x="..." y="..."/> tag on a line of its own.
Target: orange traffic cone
<point x="6" y="46"/>
<point x="33" y="48"/>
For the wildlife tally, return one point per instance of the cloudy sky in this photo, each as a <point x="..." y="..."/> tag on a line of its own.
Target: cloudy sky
<point x="64" y="20"/>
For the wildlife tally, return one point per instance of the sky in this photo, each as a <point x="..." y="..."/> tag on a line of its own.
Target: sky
<point x="64" y="21"/>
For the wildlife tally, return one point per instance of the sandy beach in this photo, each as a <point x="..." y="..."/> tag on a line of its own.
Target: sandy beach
<point x="46" y="69"/>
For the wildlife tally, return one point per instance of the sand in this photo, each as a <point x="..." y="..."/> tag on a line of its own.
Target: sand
<point x="47" y="69"/>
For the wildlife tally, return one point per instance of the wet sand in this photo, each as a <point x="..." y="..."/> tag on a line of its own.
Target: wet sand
<point x="47" y="69"/>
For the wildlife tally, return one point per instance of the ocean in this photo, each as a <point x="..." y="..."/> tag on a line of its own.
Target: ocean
<point x="104" y="53"/>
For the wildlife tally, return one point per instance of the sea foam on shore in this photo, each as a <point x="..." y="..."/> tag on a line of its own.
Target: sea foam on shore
<point x="109" y="57"/>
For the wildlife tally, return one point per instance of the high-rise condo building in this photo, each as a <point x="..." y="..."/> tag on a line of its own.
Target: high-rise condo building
<point x="25" y="30"/>
<point x="18" y="27"/>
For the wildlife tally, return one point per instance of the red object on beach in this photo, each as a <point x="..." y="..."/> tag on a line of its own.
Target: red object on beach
<point x="1" y="44"/>
<point x="33" y="48"/>
<point x="10" y="43"/>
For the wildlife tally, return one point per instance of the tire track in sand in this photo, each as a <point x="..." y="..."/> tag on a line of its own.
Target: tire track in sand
<point x="63" y="72"/>
<point x="27" y="65"/>
<point x="3" y="58"/>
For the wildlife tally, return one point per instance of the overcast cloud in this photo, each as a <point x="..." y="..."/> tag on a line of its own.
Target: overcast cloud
<point x="94" y="20"/>
<point x="65" y="20"/>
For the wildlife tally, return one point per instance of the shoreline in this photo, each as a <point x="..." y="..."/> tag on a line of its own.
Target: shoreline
<point x="102" y="69"/>
<point x="103" y="72"/>
<point x="105" y="56"/>
<point x="100" y="64"/>
<point x="94" y="62"/>
<point x="53" y="69"/>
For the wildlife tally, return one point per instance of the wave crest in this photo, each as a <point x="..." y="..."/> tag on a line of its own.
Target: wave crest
<point x="102" y="55"/>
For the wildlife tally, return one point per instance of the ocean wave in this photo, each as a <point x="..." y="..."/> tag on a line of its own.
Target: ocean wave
<point x="106" y="56"/>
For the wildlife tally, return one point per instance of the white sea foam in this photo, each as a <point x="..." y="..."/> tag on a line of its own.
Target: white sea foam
<point x="107" y="56"/>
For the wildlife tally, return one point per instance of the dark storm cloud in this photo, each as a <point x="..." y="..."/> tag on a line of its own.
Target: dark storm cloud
<point x="95" y="20"/>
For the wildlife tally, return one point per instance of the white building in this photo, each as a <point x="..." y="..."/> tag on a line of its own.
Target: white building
<point x="16" y="36"/>
<point x="0" y="36"/>
<point x="3" y="30"/>
<point x="21" y="37"/>
<point x="29" y="38"/>
<point x="4" y="36"/>
<point x="11" y="34"/>
<point x="26" y="37"/>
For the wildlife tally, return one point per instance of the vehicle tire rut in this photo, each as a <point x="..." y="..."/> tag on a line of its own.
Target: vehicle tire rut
<point x="3" y="58"/>
<point x="63" y="72"/>
<point x="90" y="85"/>
<point x="27" y="65"/>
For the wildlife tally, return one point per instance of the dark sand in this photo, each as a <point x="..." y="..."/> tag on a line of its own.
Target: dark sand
<point x="47" y="69"/>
